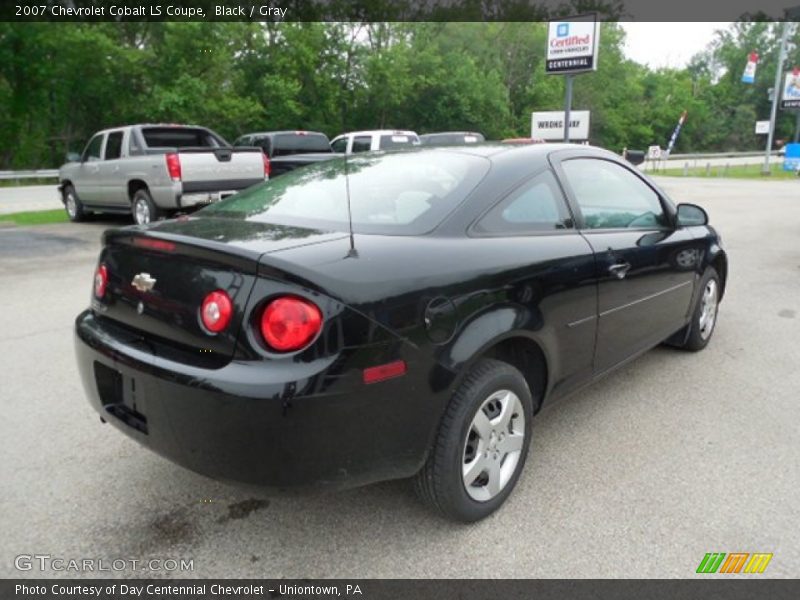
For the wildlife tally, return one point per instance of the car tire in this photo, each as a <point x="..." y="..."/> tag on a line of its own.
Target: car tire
<point x="704" y="315"/>
<point x="73" y="205"/>
<point x="143" y="208"/>
<point x="480" y="448"/>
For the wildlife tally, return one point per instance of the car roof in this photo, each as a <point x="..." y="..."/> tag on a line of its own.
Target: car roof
<point x="380" y="132"/>
<point x="451" y="133"/>
<point x="284" y="132"/>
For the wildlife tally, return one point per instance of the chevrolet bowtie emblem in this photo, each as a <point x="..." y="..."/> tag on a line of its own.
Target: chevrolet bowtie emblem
<point x="143" y="282"/>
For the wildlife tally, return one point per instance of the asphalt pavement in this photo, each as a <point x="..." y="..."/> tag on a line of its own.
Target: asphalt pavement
<point x="673" y="456"/>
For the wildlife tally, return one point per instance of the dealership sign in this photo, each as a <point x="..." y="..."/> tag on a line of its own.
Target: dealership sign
<point x="790" y="98"/>
<point x="549" y="125"/>
<point x="572" y="45"/>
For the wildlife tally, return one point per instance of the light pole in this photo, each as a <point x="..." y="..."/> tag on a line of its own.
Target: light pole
<point x="776" y="97"/>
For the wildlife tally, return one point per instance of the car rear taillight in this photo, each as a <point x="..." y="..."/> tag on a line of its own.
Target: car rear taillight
<point x="289" y="323"/>
<point x="266" y="166"/>
<point x="174" y="166"/>
<point x="100" y="281"/>
<point x="216" y="311"/>
<point x="154" y="244"/>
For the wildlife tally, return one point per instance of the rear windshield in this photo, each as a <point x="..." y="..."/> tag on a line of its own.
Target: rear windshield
<point x="407" y="193"/>
<point x="293" y="143"/>
<point x="398" y="140"/>
<point x="180" y="137"/>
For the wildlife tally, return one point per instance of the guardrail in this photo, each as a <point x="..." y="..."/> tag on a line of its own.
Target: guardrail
<point x="702" y="155"/>
<point x="31" y="174"/>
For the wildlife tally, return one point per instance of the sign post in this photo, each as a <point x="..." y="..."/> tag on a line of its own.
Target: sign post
<point x="775" y="97"/>
<point x="572" y="46"/>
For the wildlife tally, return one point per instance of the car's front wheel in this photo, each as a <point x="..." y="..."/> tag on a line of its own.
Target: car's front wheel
<point x="73" y="205"/>
<point x="481" y="445"/>
<point x="704" y="317"/>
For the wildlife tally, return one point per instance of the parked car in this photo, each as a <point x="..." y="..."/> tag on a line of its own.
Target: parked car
<point x="288" y="150"/>
<point x="399" y="315"/>
<point x="380" y="139"/>
<point x="151" y="171"/>
<point x="451" y="138"/>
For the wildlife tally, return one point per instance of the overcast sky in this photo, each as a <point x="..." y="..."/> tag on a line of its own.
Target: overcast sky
<point x="667" y="44"/>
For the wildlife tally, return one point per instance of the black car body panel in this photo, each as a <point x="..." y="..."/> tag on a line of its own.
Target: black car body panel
<point x="229" y="407"/>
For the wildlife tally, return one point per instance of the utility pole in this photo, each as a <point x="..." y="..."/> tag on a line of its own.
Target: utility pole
<point x="567" y="104"/>
<point x="797" y="129"/>
<point x="776" y="97"/>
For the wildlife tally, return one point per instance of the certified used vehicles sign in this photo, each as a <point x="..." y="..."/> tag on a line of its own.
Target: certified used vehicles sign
<point x="572" y="45"/>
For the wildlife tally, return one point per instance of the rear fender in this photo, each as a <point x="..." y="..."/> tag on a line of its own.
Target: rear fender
<point x="485" y="331"/>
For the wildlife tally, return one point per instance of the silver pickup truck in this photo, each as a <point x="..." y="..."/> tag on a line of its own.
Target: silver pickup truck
<point x="153" y="170"/>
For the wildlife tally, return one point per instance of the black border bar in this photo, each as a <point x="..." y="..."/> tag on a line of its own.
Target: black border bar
<point x="702" y="587"/>
<point x="394" y="10"/>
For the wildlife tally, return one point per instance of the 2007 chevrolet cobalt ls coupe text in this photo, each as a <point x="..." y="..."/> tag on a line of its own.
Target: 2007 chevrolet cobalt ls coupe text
<point x="286" y="337"/>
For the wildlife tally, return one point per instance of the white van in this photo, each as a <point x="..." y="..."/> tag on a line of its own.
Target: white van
<point x="379" y="139"/>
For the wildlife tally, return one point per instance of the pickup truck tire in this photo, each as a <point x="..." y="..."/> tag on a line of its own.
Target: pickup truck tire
<point x="73" y="205"/>
<point x="144" y="209"/>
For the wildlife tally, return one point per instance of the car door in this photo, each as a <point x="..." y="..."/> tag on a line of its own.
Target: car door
<point x="112" y="190"/>
<point x="645" y="265"/>
<point x="361" y="143"/>
<point x="339" y="144"/>
<point x="87" y="175"/>
<point x="558" y="285"/>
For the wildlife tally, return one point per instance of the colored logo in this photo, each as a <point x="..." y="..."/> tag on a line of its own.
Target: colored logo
<point x="735" y="562"/>
<point x="562" y="30"/>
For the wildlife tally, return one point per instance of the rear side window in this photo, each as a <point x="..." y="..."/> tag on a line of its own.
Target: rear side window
<point x="537" y="205"/>
<point x="392" y="194"/>
<point x="180" y="137"/>
<point x="362" y="143"/>
<point x="114" y="145"/>
<point x="392" y="142"/>
<point x="92" y="151"/>
<point x="299" y="143"/>
<point x="611" y="197"/>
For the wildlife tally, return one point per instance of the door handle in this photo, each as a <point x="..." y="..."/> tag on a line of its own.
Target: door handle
<point x="619" y="270"/>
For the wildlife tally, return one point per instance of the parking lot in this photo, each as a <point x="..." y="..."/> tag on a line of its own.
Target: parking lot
<point x="673" y="456"/>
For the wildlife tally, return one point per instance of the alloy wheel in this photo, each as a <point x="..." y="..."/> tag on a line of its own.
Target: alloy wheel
<point x="72" y="205"/>
<point x="141" y="212"/>
<point x="493" y="445"/>
<point x="708" y="309"/>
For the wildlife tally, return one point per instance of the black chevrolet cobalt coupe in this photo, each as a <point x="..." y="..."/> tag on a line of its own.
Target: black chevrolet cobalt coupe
<point x="392" y="315"/>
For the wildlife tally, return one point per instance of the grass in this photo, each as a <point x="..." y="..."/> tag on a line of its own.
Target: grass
<point x="733" y="172"/>
<point x="36" y="217"/>
<point x="24" y="182"/>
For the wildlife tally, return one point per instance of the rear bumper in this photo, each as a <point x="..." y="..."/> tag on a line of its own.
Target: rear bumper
<point x="251" y="422"/>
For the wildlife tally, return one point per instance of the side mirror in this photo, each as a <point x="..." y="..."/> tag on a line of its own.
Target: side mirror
<point x="73" y="157"/>
<point x="690" y="215"/>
